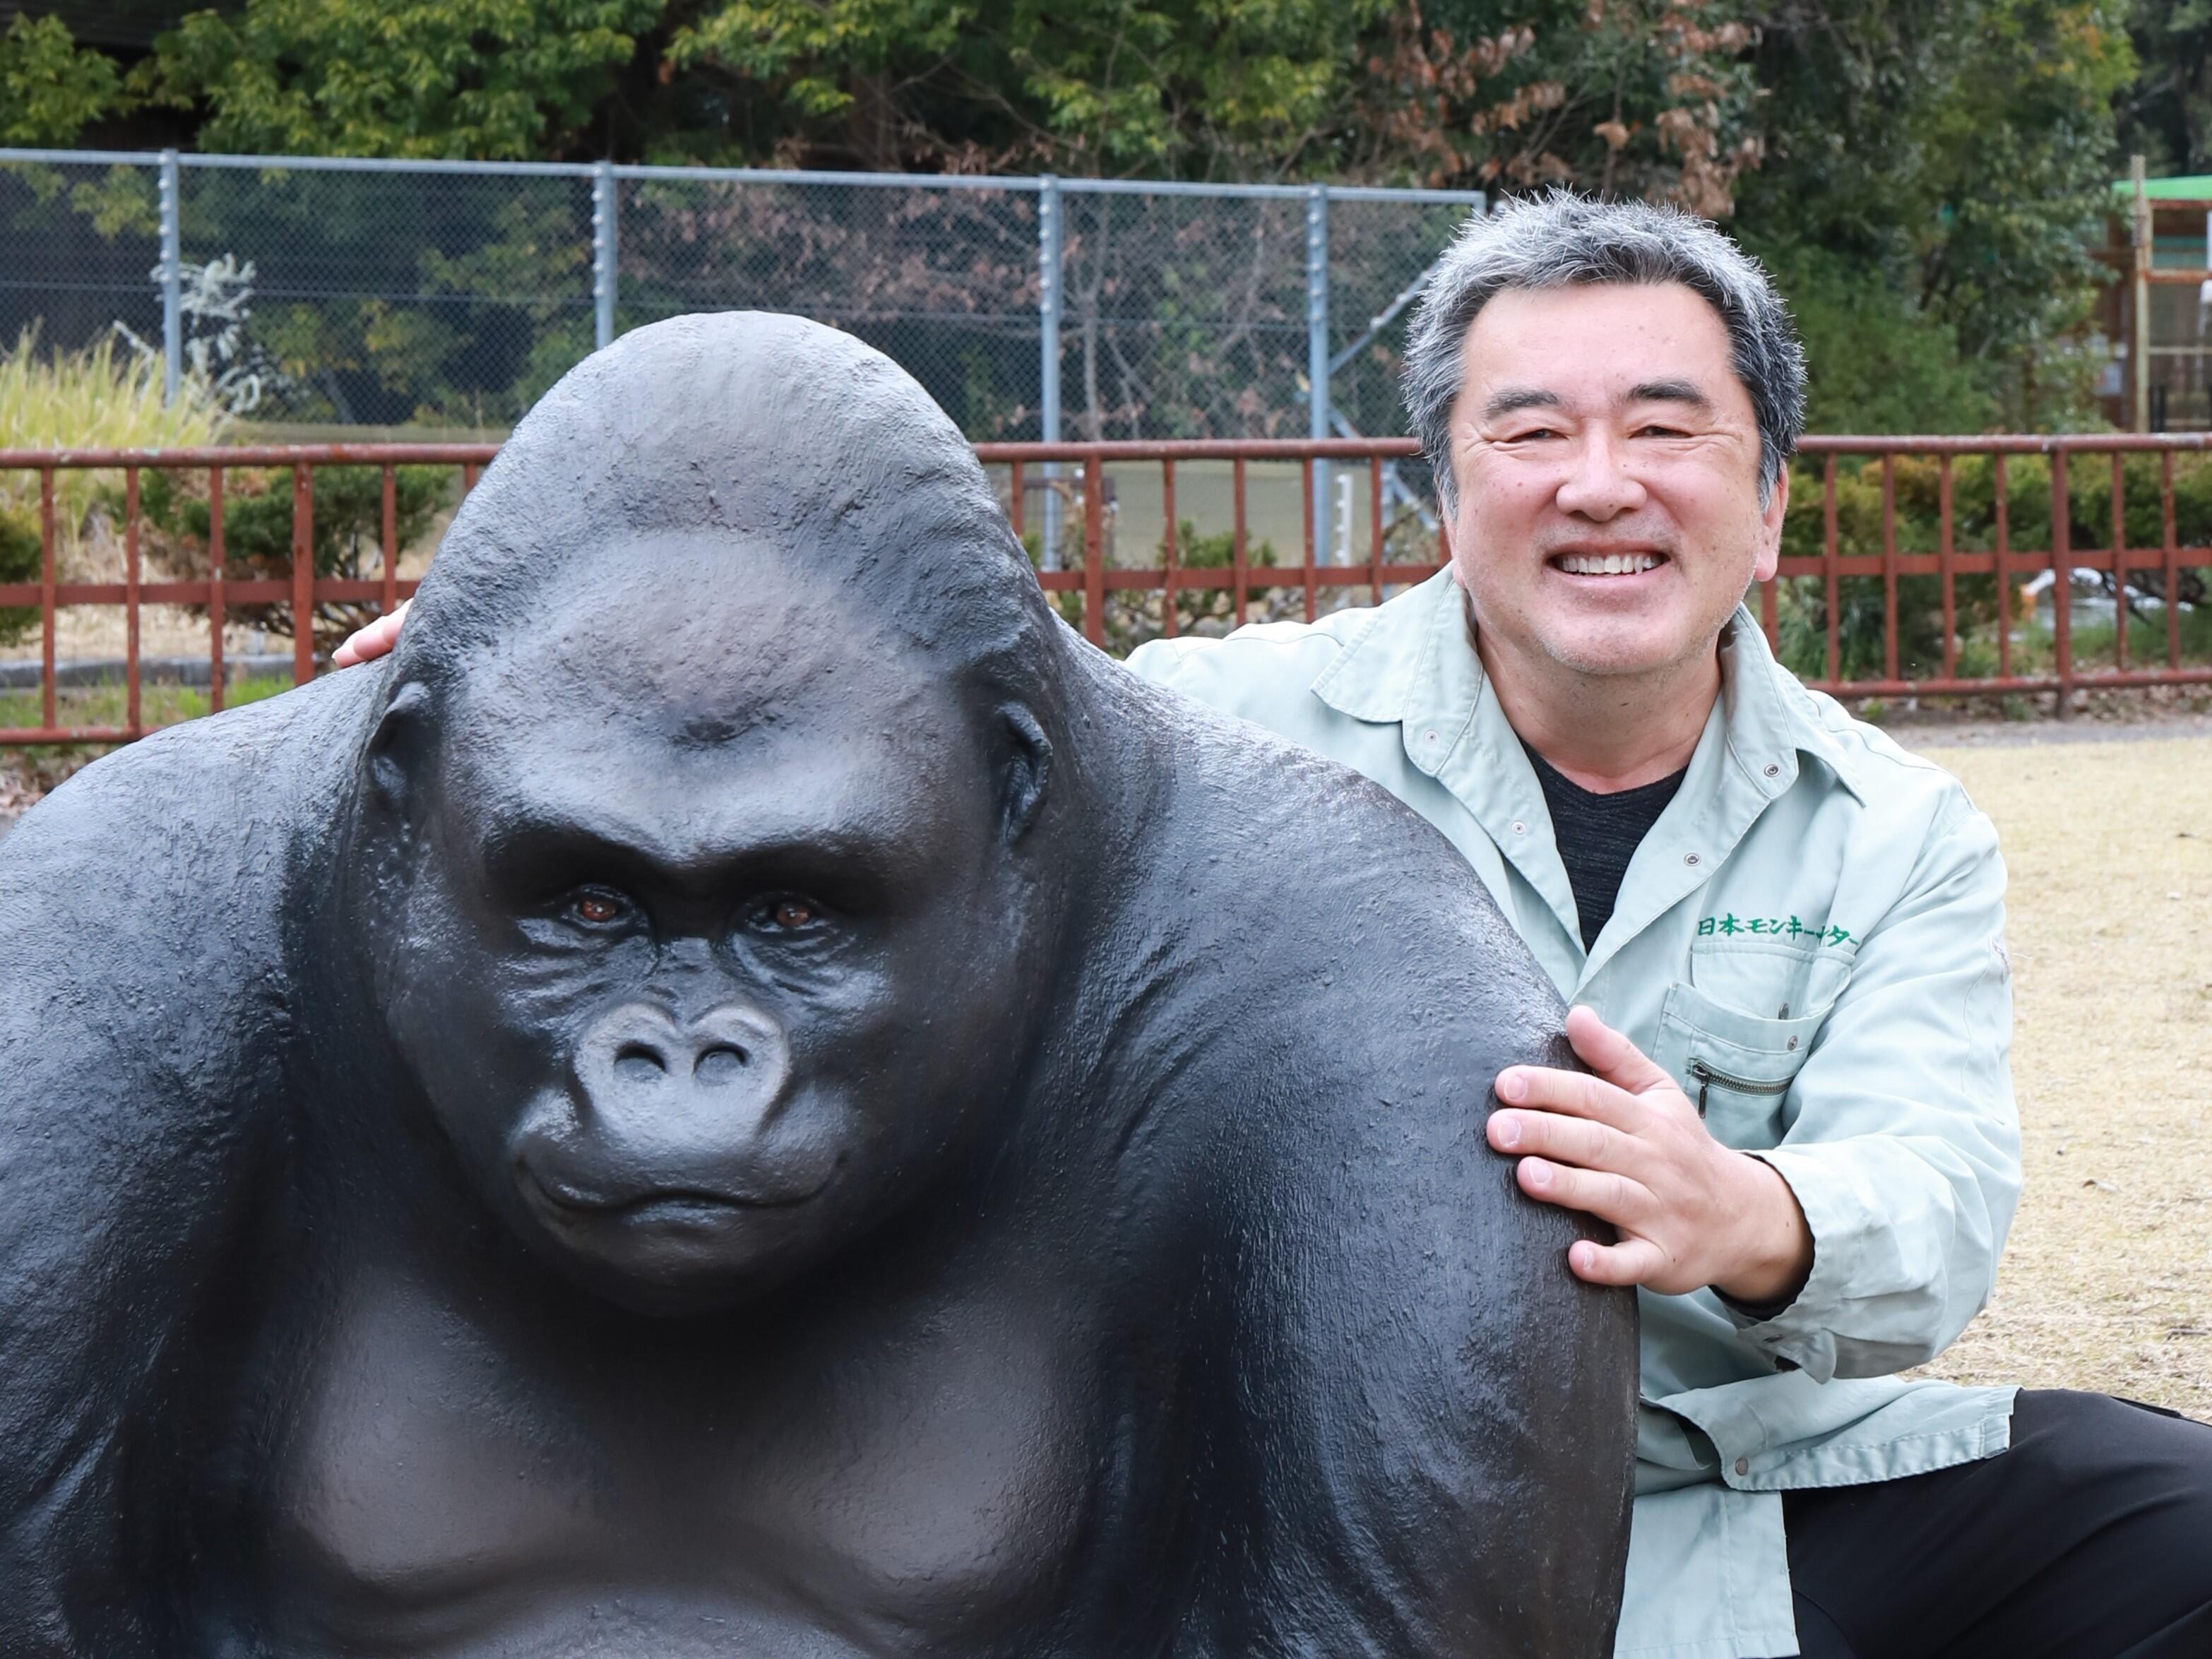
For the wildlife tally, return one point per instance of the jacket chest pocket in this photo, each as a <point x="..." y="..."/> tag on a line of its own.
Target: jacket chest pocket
<point x="1735" y="1067"/>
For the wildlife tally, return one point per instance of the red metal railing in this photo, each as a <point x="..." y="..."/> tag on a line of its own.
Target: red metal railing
<point x="301" y="589"/>
<point x="2002" y="560"/>
<point x="1398" y="549"/>
<point x="1095" y="577"/>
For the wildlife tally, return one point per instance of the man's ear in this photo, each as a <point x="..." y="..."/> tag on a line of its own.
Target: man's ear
<point x="1770" y="529"/>
<point x="398" y="749"/>
<point x="1028" y="769"/>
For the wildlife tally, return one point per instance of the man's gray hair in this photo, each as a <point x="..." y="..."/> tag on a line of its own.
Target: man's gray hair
<point x="1561" y="240"/>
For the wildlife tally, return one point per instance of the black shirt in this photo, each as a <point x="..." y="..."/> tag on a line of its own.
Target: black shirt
<point x="1597" y="835"/>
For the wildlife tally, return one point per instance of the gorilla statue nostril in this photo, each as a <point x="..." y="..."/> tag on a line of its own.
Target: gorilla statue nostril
<point x="719" y="1066"/>
<point x="636" y="1063"/>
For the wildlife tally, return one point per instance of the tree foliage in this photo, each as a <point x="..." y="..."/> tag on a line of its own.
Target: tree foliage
<point x="1943" y="165"/>
<point x="1635" y="97"/>
<point x="2166" y="112"/>
<point x="501" y="80"/>
<point x="51" y="88"/>
<point x="1927" y="175"/>
<point x="1221" y="88"/>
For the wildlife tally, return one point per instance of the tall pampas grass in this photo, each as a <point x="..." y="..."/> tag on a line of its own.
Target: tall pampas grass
<point x="104" y="397"/>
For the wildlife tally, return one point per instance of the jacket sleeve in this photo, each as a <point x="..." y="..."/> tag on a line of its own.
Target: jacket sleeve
<point x="1902" y="1142"/>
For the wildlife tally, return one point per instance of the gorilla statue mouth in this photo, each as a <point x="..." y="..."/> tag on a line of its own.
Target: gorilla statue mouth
<point x="673" y="1205"/>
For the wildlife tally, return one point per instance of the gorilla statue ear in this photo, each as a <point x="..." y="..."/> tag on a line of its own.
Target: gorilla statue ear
<point x="398" y="747"/>
<point x="1028" y="768"/>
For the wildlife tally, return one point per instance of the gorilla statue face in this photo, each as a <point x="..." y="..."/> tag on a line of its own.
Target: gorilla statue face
<point x="706" y="973"/>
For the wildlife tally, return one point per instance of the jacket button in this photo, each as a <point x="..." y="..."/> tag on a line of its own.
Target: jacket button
<point x="1743" y="1466"/>
<point x="1690" y="858"/>
<point x="1774" y="770"/>
<point x="1519" y="827"/>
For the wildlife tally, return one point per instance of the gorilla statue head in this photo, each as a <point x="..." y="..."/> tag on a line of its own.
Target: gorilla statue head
<point x="702" y="867"/>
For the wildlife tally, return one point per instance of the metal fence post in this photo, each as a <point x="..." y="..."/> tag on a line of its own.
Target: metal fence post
<point x="1049" y="275"/>
<point x="172" y="275"/>
<point x="2139" y="264"/>
<point x="1317" y="356"/>
<point x="603" y="254"/>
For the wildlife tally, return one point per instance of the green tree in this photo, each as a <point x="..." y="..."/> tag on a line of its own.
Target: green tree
<point x="495" y="80"/>
<point x="1221" y="88"/>
<point x="2166" y="112"/>
<point x="1953" y="156"/>
<point x="51" y="88"/>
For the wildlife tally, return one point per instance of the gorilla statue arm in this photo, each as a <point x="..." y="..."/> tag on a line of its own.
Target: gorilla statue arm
<point x="144" y="1018"/>
<point x="1435" y="1381"/>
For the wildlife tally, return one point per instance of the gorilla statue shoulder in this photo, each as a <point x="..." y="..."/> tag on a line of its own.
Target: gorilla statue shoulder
<point x="749" y="1093"/>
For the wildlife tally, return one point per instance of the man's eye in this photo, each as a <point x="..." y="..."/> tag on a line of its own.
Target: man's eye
<point x="1661" y="432"/>
<point x="597" y="908"/>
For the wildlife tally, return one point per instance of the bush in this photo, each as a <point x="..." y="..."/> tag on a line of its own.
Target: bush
<point x="256" y="531"/>
<point x="1134" y="615"/>
<point x="19" y="562"/>
<point x="1875" y="362"/>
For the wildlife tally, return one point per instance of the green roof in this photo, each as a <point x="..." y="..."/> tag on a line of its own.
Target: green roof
<point x="2197" y="189"/>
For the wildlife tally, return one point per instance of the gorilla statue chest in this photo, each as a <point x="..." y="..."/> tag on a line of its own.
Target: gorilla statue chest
<point x="436" y="1492"/>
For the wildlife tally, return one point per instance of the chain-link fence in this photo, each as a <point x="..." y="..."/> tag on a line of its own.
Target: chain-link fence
<point x="318" y="291"/>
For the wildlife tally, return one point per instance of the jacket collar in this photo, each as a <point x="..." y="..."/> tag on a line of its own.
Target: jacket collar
<point x="1415" y="665"/>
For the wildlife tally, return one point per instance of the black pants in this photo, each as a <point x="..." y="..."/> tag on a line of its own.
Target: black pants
<point x="2090" y="1538"/>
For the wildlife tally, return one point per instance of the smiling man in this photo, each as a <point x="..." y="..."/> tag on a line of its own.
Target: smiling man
<point x="1783" y="937"/>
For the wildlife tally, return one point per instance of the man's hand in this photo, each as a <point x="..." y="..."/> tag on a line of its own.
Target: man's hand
<point x="367" y="644"/>
<point x="1627" y="1146"/>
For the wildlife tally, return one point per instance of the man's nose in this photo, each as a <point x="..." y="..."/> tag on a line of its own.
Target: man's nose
<point x="1599" y="485"/>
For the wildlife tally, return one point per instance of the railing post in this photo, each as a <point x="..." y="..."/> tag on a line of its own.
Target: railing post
<point x="1317" y="396"/>
<point x="2062" y="578"/>
<point x="1094" y="549"/>
<point x="171" y="275"/>
<point x="217" y="671"/>
<point x="603" y="231"/>
<point x="2139" y="262"/>
<point x="303" y="574"/>
<point x="49" y="607"/>
<point x="1050" y="234"/>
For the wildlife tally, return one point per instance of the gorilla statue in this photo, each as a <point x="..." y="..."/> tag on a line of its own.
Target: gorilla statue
<point x="748" y="1093"/>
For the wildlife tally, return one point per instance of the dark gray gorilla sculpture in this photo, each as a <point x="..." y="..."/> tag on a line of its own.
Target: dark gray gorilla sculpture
<point x="751" y="1094"/>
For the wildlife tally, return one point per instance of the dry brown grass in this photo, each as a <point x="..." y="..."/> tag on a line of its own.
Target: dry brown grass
<point x="2107" y="1281"/>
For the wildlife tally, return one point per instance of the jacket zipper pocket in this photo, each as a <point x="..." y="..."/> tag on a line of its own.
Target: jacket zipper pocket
<point x="1706" y="1077"/>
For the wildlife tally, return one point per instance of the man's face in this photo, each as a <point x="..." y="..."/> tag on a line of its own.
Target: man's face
<point x="1607" y="458"/>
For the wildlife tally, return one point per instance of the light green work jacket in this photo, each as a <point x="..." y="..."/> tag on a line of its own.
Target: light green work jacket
<point x="1810" y="939"/>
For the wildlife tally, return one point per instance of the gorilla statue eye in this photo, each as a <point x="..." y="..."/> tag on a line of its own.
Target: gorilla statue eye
<point x="791" y="913"/>
<point x="596" y="907"/>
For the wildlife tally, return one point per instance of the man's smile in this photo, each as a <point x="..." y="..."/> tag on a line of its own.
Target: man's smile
<point x="1606" y="564"/>
<point x="1619" y="564"/>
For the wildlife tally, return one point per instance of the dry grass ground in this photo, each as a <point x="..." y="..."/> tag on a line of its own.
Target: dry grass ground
<point x="2107" y="1281"/>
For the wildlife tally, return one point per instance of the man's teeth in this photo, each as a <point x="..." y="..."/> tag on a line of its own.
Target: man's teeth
<point x="1608" y="564"/>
